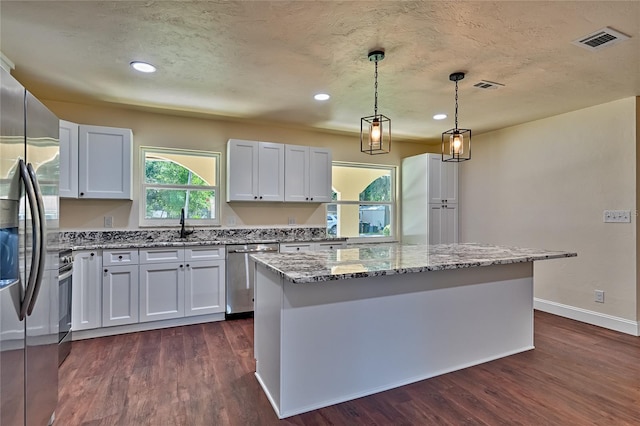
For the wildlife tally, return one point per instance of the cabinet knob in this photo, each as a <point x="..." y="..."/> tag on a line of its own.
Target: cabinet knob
<point x="311" y="198"/>
<point x="188" y="265"/>
<point x="255" y="198"/>
<point x="106" y="270"/>
<point x="92" y="254"/>
<point x="82" y="194"/>
<point x="307" y="198"/>
<point x="119" y="257"/>
<point x="298" y="248"/>
<point x="261" y="197"/>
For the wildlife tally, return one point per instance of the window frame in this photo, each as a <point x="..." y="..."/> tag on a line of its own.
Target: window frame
<point x="392" y="204"/>
<point x="174" y="223"/>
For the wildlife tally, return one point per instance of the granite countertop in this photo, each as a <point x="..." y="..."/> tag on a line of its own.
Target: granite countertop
<point x="130" y="239"/>
<point x="387" y="259"/>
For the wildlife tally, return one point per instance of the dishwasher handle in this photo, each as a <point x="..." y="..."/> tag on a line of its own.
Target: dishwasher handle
<point x="257" y="250"/>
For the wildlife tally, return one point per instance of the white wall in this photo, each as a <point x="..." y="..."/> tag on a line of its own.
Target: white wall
<point x="545" y="184"/>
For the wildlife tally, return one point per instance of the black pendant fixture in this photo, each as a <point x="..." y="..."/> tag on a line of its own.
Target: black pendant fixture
<point x="456" y="143"/>
<point x="375" y="130"/>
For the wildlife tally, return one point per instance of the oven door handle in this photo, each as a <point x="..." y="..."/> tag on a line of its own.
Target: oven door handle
<point x="65" y="275"/>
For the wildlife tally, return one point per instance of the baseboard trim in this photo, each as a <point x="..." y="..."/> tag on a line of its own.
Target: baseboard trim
<point x="590" y="317"/>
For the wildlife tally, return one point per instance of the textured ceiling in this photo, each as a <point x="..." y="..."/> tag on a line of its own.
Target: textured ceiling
<point x="263" y="60"/>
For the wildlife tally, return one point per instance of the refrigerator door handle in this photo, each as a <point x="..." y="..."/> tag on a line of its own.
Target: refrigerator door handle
<point x="35" y="225"/>
<point x="42" y="235"/>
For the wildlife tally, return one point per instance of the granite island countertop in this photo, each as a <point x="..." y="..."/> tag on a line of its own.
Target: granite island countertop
<point x="364" y="260"/>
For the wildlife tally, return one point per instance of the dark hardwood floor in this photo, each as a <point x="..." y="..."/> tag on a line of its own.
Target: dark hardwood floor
<point x="203" y="375"/>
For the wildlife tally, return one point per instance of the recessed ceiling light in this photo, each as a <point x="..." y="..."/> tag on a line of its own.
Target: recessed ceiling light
<point x="440" y="116"/>
<point x="142" y="66"/>
<point x="321" y="97"/>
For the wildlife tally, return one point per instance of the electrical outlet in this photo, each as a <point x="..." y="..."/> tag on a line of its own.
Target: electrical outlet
<point x="292" y="221"/>
<point x="599" y="296"/>
<point x="108" y="221"/>
<point x="231" y="221"/>
<point x="617" y="216"/>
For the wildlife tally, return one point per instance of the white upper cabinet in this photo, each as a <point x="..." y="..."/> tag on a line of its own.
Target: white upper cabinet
<point x="95" y="161"/>
<point x="105" y="165"/>
<point x="255" y="171"/>
<point x="68" y="159"/>
<point x="443" y="180"/>
<point x="307" y="174"/>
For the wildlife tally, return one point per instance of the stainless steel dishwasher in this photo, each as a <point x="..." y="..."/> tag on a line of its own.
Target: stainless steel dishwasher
<point x="239" y="287"/>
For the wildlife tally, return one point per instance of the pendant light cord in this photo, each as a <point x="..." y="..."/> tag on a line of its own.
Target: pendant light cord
<point x="375" y="105"/>
<point x="456" y="127"/>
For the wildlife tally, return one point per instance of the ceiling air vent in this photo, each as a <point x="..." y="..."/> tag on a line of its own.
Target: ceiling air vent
<point x="488" y="85"/>
<point x="600" y="39"/>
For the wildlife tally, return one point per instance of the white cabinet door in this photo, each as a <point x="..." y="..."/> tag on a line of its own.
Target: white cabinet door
<point x="161" y="291"/>
<point x="204" y="287"/>
<point x="120" y="295"/>
<point x="271" y="172"/>
<point x="68" y="159"/>
<point x="443" y="180"/>
<point x="105" y="162"/>
<point x="319" y="175"/>
<point x="242" y="170"/>
<point x="296" y="175"/>
<point x="443" y="224"/>
<point x="86" y="295"/>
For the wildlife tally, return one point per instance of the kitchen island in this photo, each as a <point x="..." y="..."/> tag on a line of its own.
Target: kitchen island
<point x="335" y="326"/>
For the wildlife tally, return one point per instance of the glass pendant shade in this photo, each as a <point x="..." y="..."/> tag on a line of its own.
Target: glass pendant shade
<point x="375" y="134"/>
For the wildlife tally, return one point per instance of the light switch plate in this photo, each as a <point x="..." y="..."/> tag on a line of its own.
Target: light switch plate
<point x="231" y="221"/>
<point x="108" y="221"/>
<point x="292" y="221"/>
<point x="617" y="216"/>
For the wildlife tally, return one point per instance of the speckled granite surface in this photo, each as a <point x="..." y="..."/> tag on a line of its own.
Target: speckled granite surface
<point x="386" y="259"/>
<point x="94" y="240"/>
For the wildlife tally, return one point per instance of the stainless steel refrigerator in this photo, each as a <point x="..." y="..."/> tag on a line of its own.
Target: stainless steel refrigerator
<point x="29" y="163"/>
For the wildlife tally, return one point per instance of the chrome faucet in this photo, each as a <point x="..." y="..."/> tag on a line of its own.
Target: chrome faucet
<point x="183" y="232"/>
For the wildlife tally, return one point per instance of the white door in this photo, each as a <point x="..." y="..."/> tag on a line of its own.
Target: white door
<point x="242" y="170"/>
<point x="204" y="287"/>
<point x="86" y="295"/>
<point x="68" y="159"/>
<point x="296" y="175"/>
<point x="271" y="172"/>
<point x="161" y="291"/>
<point x="120" y="295"/>
<point x="104" y="164"/>
<point x="319" y="175"/>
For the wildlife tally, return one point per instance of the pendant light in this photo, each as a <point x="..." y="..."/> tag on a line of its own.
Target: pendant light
<point x="375" y="130"/>
<point x="456" y="143"/>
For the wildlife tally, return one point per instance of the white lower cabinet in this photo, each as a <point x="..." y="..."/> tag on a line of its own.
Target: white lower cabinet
<point x="204" y="287"/>
<point x="161" y="291"/>
<point x="120" y="295"/>
<point x="86" y="295"/>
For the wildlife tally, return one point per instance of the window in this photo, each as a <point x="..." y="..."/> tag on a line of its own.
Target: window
<point x="363" y="201"/>
<point x="175" y="179"/>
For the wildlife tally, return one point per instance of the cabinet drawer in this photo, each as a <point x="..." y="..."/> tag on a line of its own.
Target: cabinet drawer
<point x="162" y="255"/>
<point x="331" y="246"/>
<point x="294" y="248"/>
<point x="119" y="257"/>
<point x="204" y="253"/>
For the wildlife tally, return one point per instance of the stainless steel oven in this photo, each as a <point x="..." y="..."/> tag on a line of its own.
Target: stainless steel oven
<point x="64" y="292"/>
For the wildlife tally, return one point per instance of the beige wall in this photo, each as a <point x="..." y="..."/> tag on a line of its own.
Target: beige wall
<point x="545" y="184"/>
<point x="164" y="130"/>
